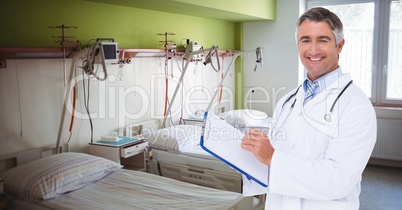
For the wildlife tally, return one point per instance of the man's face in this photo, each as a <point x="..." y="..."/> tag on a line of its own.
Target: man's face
<point x="317" y="48"/>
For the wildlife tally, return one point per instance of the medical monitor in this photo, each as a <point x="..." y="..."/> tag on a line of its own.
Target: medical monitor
<point x="111" y="51"/>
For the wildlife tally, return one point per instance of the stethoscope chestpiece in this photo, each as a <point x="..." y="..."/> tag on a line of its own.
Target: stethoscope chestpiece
<point x="328" y="118"/>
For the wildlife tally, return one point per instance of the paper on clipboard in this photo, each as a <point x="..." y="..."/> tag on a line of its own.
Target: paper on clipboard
<point x="223" y="141"/>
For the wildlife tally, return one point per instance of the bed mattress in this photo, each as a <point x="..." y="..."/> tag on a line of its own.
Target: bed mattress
<point x="127" y="189"/>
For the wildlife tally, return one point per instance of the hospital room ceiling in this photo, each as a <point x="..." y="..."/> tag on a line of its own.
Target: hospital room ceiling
<point x="227" y="10"/>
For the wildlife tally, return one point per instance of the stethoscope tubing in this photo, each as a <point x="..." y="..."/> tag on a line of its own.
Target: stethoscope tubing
<point x="340" y="94"/>
<point x="327" y="117"/>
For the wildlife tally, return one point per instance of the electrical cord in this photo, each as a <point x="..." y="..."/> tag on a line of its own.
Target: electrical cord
<point x="88" y="67"/>
<point x="86" y="105"/>
<point x="19" y="98"/>
<point x="212" y="51"/>
<point x="182" y="63"/>
<point x="166" y="94"/>
<point x="72" y="114"/>
<point x="258" y="53"/>
<point x="221" y="87"/>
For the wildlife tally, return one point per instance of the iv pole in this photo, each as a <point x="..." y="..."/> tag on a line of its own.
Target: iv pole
<point x="227" y="70"/>
<point x="189" y="57"/>
<point x="67" y="95"/>
<point x="259" y="60"/>
<point x="80" y="54"/>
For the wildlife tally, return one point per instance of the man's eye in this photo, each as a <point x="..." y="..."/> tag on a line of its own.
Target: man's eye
<point x="304" y="41"/>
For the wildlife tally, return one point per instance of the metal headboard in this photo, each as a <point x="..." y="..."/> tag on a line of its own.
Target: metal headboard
<point x="15" y="159"/>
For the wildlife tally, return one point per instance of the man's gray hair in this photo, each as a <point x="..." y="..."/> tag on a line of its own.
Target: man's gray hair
<point x="319" y="14"/>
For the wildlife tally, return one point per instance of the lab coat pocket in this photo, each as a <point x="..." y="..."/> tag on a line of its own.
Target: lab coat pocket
<point x="316" y="145"/>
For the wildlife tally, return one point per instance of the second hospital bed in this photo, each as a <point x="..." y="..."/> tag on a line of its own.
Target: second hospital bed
<point x="176" y="152"/>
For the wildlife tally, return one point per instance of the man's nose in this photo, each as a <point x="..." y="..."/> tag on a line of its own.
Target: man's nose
<point x="314" y="48"/>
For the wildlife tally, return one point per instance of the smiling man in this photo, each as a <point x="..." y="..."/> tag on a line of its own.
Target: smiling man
<point x="318" y="48"/>
<point x="329" y="128"/>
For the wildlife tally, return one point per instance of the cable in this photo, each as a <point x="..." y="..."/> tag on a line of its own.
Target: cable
<point x="86" y="105"/>
<point x="182" y="91"/>
<point x="75" y="89"/>
<point x="221" y="87"/>
<point x="182" y="63"/>
<point x="19" y="98"/>
<point x="170" y="116"/>
<point x="94" y="50"/>
<point x="166" y="94"/>
<point x="212" y="51"/>
<point x="88" y="68"/>
<point x="258" y="53"/>
<point x="73" y="112"/>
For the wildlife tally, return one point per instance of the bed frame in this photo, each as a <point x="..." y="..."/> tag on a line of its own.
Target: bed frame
<point x="13" y="160"/>
<point x="229" y="179"/>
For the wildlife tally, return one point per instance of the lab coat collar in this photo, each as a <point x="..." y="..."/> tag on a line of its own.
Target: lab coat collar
<point x="325" y="80"/>
<point x="334" y="88"/>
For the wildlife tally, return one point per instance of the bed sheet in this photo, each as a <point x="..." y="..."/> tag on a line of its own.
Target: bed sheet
<point x="127" y="189"/>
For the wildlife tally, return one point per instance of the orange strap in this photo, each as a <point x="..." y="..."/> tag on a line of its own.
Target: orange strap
<point x="73" y="111"/>
<point x="221" y="88"/>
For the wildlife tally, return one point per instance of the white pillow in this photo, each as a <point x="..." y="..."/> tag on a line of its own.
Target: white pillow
<point x="174" y="138"/>
<point x="242" y="117"/>
<point x="56" y="174"/>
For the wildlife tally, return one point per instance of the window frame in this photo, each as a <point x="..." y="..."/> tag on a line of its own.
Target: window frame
<point x="380" y="47"/>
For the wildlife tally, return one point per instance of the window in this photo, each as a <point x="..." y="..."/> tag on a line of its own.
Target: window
<point x="373" y="35"/>
<point x="394" y="65"/>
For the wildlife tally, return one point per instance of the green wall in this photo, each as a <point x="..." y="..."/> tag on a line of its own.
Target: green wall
<point x="239" y="79"/>
<point x="263" y="9"/>
<point x="26" y="23"/>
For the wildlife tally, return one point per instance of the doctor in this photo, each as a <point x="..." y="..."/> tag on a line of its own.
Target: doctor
<point x="320" y="142"/>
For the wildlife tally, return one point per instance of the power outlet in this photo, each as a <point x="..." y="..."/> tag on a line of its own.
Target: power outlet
<point x="3" y="64"/>
<point x="220" y="109"/>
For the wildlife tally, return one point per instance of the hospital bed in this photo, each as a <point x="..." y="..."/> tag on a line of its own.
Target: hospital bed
<point x="176" y="152"/>
<point x="51" y="182"/>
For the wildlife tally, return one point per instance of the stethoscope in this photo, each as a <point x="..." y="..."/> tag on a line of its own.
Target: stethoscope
<point x="328" y="115"/>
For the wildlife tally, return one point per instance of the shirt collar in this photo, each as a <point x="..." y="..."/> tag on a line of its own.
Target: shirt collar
<point x="325" y="80"/>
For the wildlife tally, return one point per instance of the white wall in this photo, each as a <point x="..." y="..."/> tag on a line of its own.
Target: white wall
<point x="279" y="73"/>
<point x="32" y="94"/>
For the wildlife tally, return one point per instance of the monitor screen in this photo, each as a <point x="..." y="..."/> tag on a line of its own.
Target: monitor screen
<point x="110" y="50"/>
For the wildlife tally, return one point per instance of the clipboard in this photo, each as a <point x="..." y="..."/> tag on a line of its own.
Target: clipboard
<point x="222" y="140"/>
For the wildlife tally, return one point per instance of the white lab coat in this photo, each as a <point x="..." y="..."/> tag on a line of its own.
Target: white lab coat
<point x="315" y="165"/>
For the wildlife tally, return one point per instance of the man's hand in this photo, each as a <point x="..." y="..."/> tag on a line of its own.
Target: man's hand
<point x="258" y="143"/>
